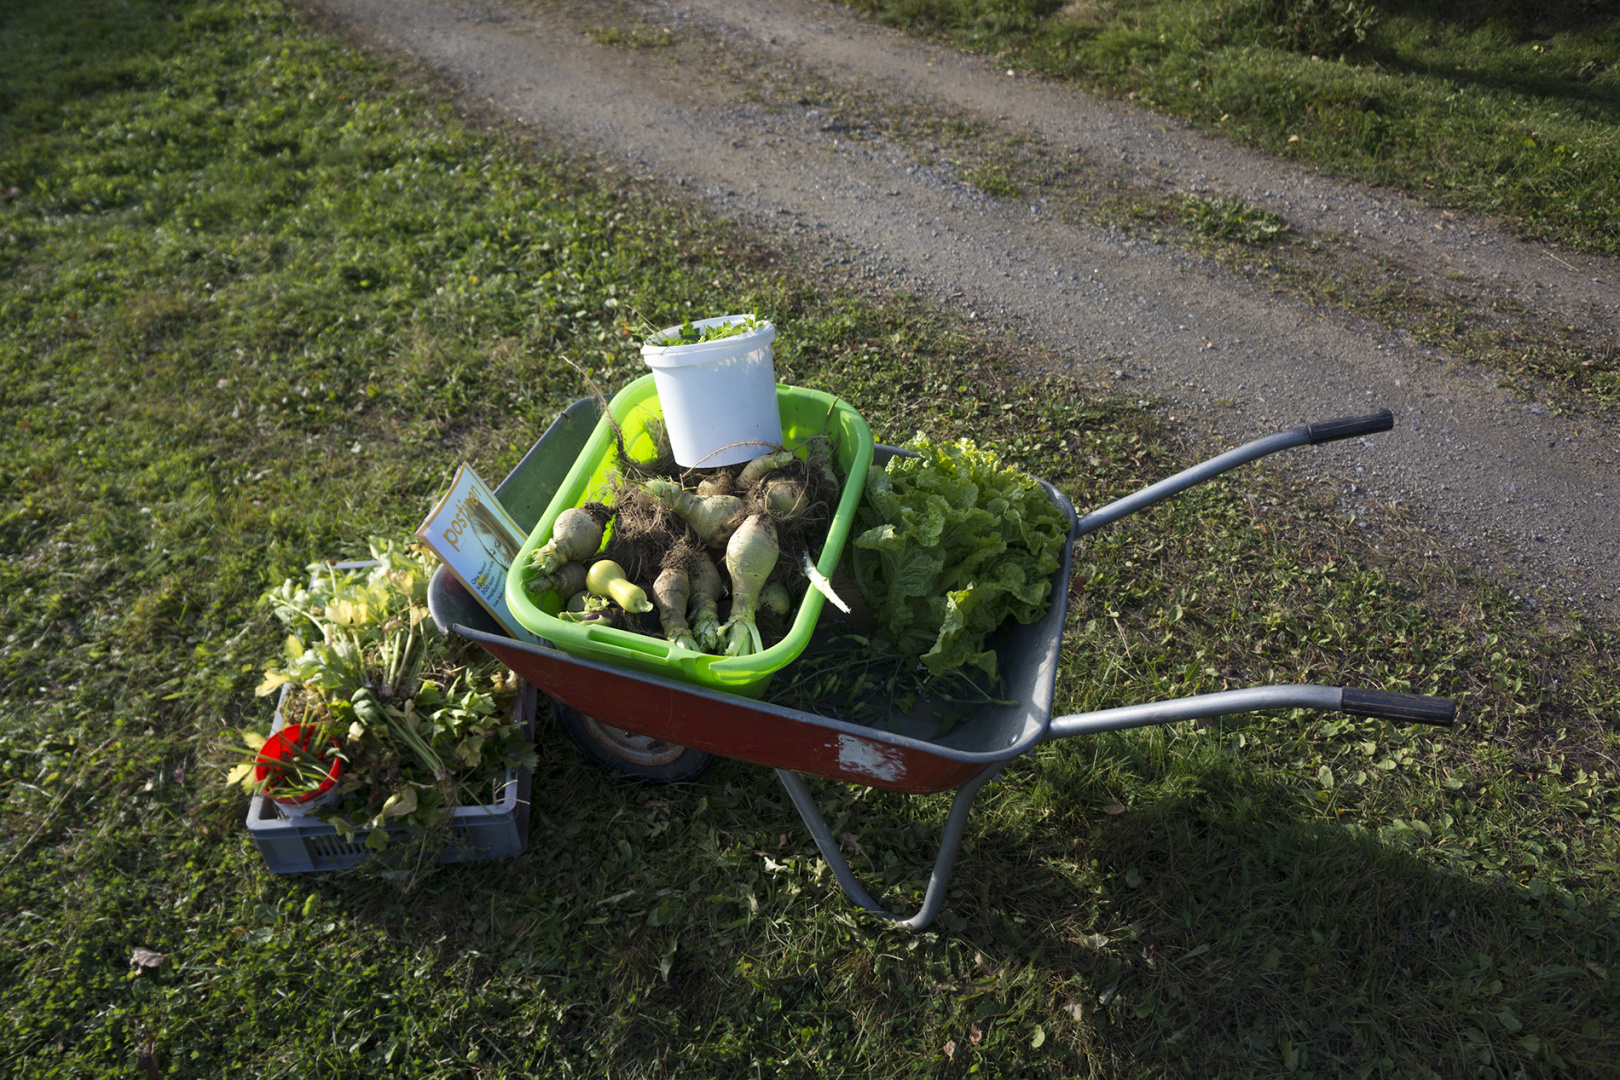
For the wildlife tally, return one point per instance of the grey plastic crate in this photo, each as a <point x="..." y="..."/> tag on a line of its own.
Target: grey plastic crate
<point x="300" y="845"/>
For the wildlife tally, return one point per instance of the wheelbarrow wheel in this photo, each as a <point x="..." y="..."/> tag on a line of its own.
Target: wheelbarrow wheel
<point x="640" y="757"/>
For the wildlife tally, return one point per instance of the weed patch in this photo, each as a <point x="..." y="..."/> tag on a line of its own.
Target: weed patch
<point x="1222" y="218"/>
<point x="993" y="180"/>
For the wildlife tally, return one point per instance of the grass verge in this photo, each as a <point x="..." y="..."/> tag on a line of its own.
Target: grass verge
<point x="1505" y="108"/>
<point x="261" y="293"/>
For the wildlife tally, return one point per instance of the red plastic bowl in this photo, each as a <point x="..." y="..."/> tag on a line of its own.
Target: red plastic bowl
<point x="283" y="744"/>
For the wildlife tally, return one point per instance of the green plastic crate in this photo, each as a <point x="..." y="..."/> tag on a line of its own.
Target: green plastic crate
<point x="805" y="413"/>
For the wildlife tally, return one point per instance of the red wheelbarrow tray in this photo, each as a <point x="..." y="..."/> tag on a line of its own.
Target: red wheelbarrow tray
<point x="905" y="760"/>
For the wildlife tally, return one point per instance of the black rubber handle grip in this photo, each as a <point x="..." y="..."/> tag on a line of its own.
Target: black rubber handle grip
<point x="1348" y="427"/>
<point x="1403" y="708"/>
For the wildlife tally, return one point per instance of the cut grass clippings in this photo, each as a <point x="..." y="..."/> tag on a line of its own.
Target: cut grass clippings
<point x="263" y="293"/>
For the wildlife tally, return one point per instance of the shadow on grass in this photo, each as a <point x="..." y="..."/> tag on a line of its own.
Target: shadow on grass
<point x="1595" y="101"/>
<point x="1515" y="17"/>
<point x="1206" y="933"/>
<point x="1553" y="75"/>
<point x="1203" y="931"/>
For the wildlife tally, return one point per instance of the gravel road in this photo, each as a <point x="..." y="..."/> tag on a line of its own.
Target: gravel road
<point x="1513" y="483"/>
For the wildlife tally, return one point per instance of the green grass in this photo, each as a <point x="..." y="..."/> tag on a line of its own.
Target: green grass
<point x="635" y="37"/>
<point x="993" y="180"/>
<point x="261" y="294"/>
<point x="1230" y="220"/>
<point x="1503" y="107"/>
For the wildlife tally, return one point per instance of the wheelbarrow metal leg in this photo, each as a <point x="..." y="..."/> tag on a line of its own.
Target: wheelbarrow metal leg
<point x="938" y="882"/>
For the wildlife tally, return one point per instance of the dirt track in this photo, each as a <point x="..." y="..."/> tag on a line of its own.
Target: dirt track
<point x="1505" y="479"/>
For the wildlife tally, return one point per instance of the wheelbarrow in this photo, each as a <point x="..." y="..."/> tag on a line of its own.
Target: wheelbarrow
<point x="659" y="729"/>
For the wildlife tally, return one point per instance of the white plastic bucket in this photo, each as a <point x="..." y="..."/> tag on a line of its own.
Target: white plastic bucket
<point x="718" y="397"/>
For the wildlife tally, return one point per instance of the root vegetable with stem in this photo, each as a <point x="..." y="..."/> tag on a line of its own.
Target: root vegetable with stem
<point x="566" y="580"/>
<point x="713" y="517"/>
<point x="703" y="612"/>
<point x="761" y="467"/>
<point x="750" y="557"/>
<point x="575" y="536"/>
<point x="671" y="593"/>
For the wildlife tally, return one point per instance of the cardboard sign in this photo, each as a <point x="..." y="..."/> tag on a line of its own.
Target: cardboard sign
<point x="471" y="532"/>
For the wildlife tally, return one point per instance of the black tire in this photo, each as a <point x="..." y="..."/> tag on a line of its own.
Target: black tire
<point x="640" y="757"/>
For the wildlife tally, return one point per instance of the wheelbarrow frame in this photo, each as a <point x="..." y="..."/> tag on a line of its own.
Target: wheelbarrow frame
<point x="794" y="742"/>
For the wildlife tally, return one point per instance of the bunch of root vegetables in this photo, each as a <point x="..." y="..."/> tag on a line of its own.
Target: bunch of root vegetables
<point x="680" y="543"/>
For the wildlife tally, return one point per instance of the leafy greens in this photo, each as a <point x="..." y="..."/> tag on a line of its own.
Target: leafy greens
<point x="424" y="723"/>
<point x="689" y="333"/>
<point x="954" y="544"/>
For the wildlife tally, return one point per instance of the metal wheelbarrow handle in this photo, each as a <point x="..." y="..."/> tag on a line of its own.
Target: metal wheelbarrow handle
<point x="1402" y="708"/>
<point x="1327" y="431"/>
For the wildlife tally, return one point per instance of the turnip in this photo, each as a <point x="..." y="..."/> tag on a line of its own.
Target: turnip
<point x="575" y="536"/>
<point x="566" y="580"/>
<point x="775" y="599"/>
<point x="799" y="497"/>
<point x="721" y="483"/>
<point x="750" y="557"/>
<point x="584" y="601"/>
<point x="704" y="612"/>
<point x="612" y="617"/>
<point x="713" y="517"/>
<point x="671" y="593"/>
<point x="762" y="466"/>
<point x="606" y="578"/>
<point x="582" y="607"/>
<point x="786" y="498"/>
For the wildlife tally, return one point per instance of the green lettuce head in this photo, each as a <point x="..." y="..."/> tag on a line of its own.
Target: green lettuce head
<point x="954" y="544"/>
